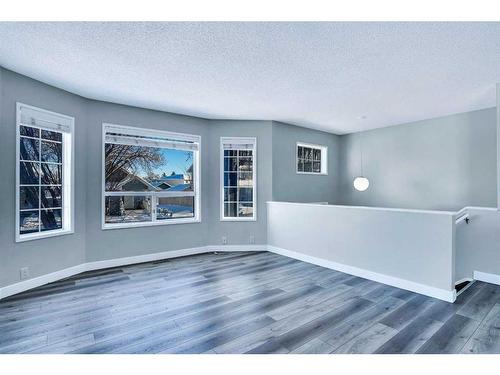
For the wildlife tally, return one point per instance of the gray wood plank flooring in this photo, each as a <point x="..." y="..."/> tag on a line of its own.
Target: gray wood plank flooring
<point x="255" y="302"/>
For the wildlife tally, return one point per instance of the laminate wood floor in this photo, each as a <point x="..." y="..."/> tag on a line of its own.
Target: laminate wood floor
<point x="255" y="302"/>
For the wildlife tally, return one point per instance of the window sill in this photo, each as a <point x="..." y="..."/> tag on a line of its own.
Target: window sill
<point x="313" y="173"/>
<point x="236" y="219"/>
<point x="107" y="226"/>
<point x="41" y="235"/>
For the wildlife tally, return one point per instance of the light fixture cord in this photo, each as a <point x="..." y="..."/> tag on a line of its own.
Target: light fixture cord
<point x="361" y="151"/>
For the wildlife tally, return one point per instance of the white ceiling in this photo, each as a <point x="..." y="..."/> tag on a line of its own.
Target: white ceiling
<point x="319" y="75"/>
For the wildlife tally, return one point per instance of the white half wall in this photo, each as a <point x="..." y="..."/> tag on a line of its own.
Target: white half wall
<point x="409" y="249"/>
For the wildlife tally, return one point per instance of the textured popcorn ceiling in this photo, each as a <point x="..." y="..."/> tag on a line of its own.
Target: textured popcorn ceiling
<point x="320" y="75"/>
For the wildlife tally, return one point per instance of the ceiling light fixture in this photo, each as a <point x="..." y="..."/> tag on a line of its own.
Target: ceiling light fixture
<point x="361" y="183"/>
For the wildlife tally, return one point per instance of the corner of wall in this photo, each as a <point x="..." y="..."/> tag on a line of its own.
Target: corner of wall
<point x="498" y="143"/>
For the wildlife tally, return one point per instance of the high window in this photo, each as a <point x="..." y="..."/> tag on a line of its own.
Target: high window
<point x="311" y="159"/>
<point x="44" y="173"/>
<point x="150" y="177"/>
<point x="238" y="179"/>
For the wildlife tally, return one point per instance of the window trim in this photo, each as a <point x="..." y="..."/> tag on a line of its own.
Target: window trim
<point x="324" y="158"/>
<point x="68" y="168"/>
<point x="197" y="178"/>
<point x="245" y="140"/>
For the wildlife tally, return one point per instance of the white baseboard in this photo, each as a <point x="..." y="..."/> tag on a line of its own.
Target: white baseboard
<point x="102" y="264"/>
<point x="25" y="285"/>
<point x="442" y="294"/>
<point x="487" y="277"/>
<point x="236" y="248"/>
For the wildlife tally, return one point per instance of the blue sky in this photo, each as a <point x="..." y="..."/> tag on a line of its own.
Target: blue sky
<point x="177" y="161"/>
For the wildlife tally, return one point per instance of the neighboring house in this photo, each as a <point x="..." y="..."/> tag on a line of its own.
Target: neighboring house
<point x="136" y="183"/>
<point x="181" y="187"/>
<point x="174" y="179"/>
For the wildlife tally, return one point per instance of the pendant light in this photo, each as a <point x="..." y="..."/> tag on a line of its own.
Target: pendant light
<point x="361" y="183"/>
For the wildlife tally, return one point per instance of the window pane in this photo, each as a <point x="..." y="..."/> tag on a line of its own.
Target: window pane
<point x="245" y="210"/>
<point x="246" y="194"/>
<point x="127" y="209"/>
<point x="51" y="174"/>
<point x="174" y="208"/>
<point x="316" y="167"/>
<point x="28" y="222"/>
<point x="51" y="152"/>
<point x="245" y="152"/>
<point x="317" y="154"/>
<point x="308" y="166"/>
<point x="230" y="194"/>
<point x="50" y="220"/>
<point x="300" y="152"/>
<point x="245" y="179"/>
<point x="29" y="131"/>
<point x="300" y="165"/>
<point x="54" y="136"/>
<point x="230" y="209"/>
<point x="28" y="197"/>
<point x="29" y="173"/>
<point x="230" y="179"/>
<point x="140" y="168"/>
<point x="307" y="153"/>
<point x="51" y="196"/>
<point x="245" y="164"/>
<point x="230" y="152"/>
<point x="29" y="148"/>
<point x="230" y="164"/>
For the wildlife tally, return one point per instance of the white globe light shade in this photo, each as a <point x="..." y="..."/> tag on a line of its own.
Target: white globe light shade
<point x="361" y="183"/>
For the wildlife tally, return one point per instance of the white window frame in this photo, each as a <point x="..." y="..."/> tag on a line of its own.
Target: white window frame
<point x="324" y="158"/>
<point x="47" y="120"/>
<point x="196" y="193"/>
<point x="239" y="140"/>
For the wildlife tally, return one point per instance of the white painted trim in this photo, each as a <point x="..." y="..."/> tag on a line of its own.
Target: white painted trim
<point x="449" y="213"/>
<point x="238" y="140"/>
<point x="227" y="248"/>
<point x="487" y="277"/>
<point x="40" y="280"/>
<point x="102" y="264"/>
<point x="68" y="170"/>
<point x="152" y="194"/>
<point x="324" y="158"/>
<point x="442" y="294"/>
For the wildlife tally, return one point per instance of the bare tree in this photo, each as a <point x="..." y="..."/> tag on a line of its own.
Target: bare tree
<point x="123" y="160"/>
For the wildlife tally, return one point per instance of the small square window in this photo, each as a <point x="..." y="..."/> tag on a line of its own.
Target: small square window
<point x="311" y="159"/>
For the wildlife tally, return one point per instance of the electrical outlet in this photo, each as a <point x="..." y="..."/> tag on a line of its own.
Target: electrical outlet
<point x="24" y="273"/>
<point x="251" y="240"/>
<point x="224" y="240"/>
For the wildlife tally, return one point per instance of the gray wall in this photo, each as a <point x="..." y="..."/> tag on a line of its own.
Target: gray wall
<point x="441" y="164"/>
<point x="50" y="254"/>
<point x="90" y="243"/>
<point x="118" y="243"/>
<point x="290" y="186"/>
